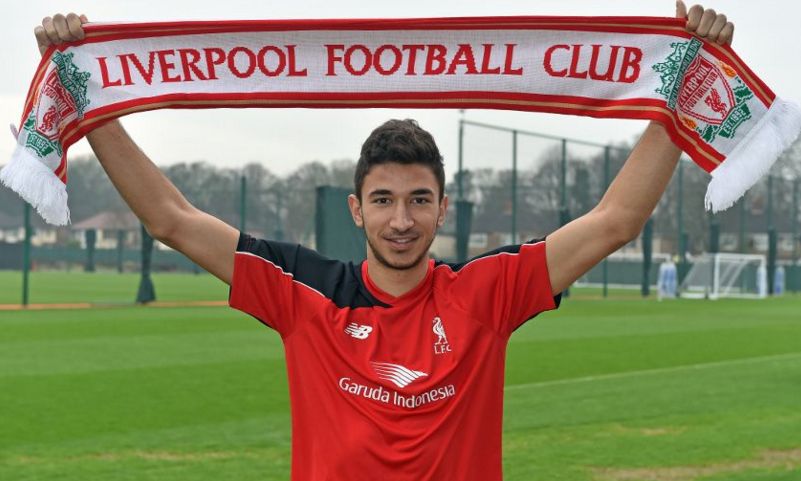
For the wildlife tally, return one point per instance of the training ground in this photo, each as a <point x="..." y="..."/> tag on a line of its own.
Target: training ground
<point x="618" y="389"/>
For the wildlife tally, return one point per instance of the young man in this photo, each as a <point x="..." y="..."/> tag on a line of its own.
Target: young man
<point x="396" y="364"/>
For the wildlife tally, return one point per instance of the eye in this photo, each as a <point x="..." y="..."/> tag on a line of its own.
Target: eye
<point x="381" y="201"/>
<point x="420" y="201"/>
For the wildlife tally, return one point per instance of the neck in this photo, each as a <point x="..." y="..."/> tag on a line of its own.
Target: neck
<point x="395" y="282"/>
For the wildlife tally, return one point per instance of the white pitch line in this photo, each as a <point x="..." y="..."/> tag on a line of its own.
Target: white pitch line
<point x="646" y="372"/>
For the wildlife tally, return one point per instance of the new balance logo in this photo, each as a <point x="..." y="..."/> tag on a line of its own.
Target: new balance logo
<point x="399" y="375"/>
<point x="357" y="331"/>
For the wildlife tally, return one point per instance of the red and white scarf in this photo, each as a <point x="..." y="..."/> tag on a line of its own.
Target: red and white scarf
<point x="713" y="105"/>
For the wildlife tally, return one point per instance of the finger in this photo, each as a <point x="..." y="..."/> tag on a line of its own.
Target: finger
<point x="50" y="30"/>
<point x="694" y="17"/>
<point x="717" y="27"/>
<point x="60" y="24"/>
<point x="707" y="19"/>
<point x="74" y="26"/>
<point x="84" y="19"/>
<point x="41" y="38"/>
<point x="727" y="34"/>
<point x="681" y="9"/>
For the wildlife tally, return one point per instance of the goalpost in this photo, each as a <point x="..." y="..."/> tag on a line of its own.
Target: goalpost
<point x="719" y="275"/>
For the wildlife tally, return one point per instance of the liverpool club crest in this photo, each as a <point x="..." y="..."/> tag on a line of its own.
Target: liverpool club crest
<point x="441" y="345"/>
<point x="707" y="94"/>
<point x="61" y="99"/>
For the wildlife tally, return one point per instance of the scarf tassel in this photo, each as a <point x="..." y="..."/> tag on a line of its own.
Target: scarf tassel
<point x="754" y="155"/>
<point x="38" y="185"/>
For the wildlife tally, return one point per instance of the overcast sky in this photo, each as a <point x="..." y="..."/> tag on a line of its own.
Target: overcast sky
<point x="766" y="37"/>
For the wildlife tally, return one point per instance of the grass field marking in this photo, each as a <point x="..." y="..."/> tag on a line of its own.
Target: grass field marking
<point x="787" y="460"/>
<point x="39" y="307"/>
<point x="647" y="372"/>
<point x="107" y="305"/>
<point x="155" y="455"/>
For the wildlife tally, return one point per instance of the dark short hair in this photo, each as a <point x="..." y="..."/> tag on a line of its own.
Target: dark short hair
<point x="402" y="142"/>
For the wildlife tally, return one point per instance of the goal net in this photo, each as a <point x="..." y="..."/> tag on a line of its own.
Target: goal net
<point x="726" y="275"/>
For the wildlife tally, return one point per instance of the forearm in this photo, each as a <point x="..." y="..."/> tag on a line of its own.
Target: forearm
<point x="146" y="190"/>
<point x="635" y="192"/>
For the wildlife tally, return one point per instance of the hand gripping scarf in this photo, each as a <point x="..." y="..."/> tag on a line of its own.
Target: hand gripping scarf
<point x="713" y="106"/>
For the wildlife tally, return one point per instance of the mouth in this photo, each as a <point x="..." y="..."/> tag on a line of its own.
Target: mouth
<point x="401" y="243"/>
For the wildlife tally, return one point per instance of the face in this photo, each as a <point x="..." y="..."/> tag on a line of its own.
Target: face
<point x="400" y="213"/>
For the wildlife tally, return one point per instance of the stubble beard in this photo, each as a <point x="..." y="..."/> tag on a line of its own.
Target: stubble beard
<point x="398" y="266"/>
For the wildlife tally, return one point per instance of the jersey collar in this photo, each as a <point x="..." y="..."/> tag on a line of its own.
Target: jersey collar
<point x="387" y="298"/>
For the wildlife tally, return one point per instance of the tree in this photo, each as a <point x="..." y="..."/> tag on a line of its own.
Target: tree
<point x="89" y="189"/>
<point x="208" y="188"/>
<point x="300" y="193"/>
<point x="263" y="201"/>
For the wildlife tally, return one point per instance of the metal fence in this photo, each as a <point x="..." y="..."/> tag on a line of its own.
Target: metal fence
<point x="512" y="185"/>
<point x="521" y="185"/>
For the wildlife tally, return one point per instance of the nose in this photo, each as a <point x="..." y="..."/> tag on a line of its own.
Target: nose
<point x="401" y="219"/>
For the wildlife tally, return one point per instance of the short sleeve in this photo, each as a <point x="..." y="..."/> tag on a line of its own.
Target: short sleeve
<point x="268" y="282"/>
<point x="506" y="287"/>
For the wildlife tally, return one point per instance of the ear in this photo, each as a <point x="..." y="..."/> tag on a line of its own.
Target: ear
<point x="355" y="207"/>
<point x="443" y="208"/>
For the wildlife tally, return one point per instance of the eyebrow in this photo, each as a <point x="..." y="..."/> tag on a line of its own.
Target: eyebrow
<point x="379" y="192"/>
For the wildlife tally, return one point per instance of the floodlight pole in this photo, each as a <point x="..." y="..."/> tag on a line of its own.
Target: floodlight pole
<point x="680" y="213"/>
<point x="714" y="234"/>
<point x="26" y="253"/>
<point x="460" y="174"/>
<point x="243" y="185"/>
<point x="120" y="249"/>
<point x="741" y="240"/>
<point x="464" y="209"/>
<point x="279" y="205"/>
<point x="796" y="240"/>
<point x="771" y="239"/>
<point x="770" y="202"/>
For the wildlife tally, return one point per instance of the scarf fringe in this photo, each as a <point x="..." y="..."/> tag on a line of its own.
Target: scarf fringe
<point x="38" y="185"/>
<point x="754" y="155"/>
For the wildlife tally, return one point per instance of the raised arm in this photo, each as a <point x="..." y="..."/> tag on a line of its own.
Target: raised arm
<point x="621" y="214"/>
<point x="163" y="210"/>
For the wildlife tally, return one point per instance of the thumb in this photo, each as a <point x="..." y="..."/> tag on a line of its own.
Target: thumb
<point x="681" y="9"/>
<point x="84" y="19"/>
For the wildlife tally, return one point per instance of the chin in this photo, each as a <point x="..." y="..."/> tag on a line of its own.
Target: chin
<point x="406" y="264"/>
<point x="402" y="262"/>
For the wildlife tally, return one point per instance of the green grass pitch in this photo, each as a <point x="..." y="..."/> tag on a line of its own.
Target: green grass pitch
<point x="107" y="287"/>
<point x="600" y="390"/>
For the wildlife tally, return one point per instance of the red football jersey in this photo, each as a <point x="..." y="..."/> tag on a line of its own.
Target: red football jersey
<point x="405" y="388"/>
